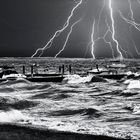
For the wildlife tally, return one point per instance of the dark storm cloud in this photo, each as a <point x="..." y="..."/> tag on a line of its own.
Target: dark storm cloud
<point x="26" y="25"/>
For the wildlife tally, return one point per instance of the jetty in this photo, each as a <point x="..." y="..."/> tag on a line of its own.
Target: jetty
<point x="34" y="76"/>
<point x="37" y="73"/>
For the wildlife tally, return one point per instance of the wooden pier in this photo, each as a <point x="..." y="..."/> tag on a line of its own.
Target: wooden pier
<point x="36" y="73"/>
<point x="45" y="77"/>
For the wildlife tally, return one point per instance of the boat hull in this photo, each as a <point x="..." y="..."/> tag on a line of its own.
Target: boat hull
<point x="46" y="79"/>
<point x="112" y="76"/>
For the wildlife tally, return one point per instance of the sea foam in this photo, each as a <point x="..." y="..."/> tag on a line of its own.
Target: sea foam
<point x="134" y="84"/>
<point x="11" y="116"/>
<point x="72" y="79"/>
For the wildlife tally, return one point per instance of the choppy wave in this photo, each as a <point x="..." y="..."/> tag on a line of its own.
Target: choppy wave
<point x="136" y="109"/>
<point x="134" y="84"/>
<point x="72" y="79"/>
<point x="8" y="102"/>
<point x="11" y="116"/>
<point x="80" y="104"/>
<point x="89" y="112"/>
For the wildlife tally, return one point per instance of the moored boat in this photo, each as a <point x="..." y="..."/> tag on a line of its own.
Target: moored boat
<point x="9" y="73"/>
<point x="109" y="72"/>
<point x="45" y="78"/>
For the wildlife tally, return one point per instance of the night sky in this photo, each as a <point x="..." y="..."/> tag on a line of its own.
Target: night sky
<point x="26" y="25"/>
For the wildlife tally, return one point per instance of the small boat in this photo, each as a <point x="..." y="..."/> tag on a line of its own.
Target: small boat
<point x="110" y="72"/>
<point x="9" y="73"/>
<point x="45" y="78"/>
<point x="117" y="66"/>
<point x="12" y="75"/>
<point x="113" y="76"/>
<point x="97" y="71"/>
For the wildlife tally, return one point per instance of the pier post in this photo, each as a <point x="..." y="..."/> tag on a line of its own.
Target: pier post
<point x="32" y="70"/>
<point x="63" y="69"/>
<point x="97" y="67"/>
<point x="70" y="70"/>
<point x="36" y="68"/>
<point x="59" y="69"/>
<point x="24" y="70"/>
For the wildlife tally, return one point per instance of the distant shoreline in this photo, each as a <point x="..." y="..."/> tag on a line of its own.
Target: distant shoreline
<point x="70" y="58"/>
<point x="20" y="132"/>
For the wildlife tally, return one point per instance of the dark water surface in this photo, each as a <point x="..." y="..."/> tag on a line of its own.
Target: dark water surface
<point x="109" y="108"/>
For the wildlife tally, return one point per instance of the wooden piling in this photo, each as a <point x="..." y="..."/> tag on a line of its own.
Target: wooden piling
<point x="32" y="70"/>
<point x="24" y="70"/>
<point x="63" y="69"/>
<point x="70" y="70"/>
<point x="59" y="69"/>
<point x="97" y="67"/>
<point x="36" y="68"/>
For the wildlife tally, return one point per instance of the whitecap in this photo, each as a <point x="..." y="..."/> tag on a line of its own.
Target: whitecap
<point x="11" y="116"/>
<point x="72" y="79"/>
<point x="134" y="84"/>
<point x="136" y="110"/>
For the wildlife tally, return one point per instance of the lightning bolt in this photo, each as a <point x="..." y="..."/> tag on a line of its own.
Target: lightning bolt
<point x="103" y="37"/>
<point x="109" y="31"/>
<point x="132" y="23"/>
<point x="108" y="42"/>
<point x="127" y="52"/>
<point x="100" y="14"/>
<point x="71" y="29"/>
<point x="58" y="32"/>
<point x="92" y="40"/>
<point x="113" y="29"/>
<point x="132" y="18"/>
<point x="87" y="48"/>
<point x="131" y="11"/>
<point x="135" y="47"/>
<point x="138" y="1"/>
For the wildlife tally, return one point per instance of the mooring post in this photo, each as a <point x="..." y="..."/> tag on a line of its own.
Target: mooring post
<point x="70" y="69"/>
<point x="97" y="67"/>
<point x="59" y="69"/>
<point x="36" y="68"/>
<point x="24" y="70"/>
<point x="32" y="70"/>
<point x="63" y="69"/>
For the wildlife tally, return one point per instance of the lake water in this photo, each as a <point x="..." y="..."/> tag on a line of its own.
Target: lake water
<point x="110" y="108"/>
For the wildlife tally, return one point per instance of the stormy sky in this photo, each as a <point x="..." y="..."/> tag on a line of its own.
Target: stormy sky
<point x="26" y="25"/>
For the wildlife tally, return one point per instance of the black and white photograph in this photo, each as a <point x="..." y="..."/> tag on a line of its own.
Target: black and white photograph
<point x="70" y="70"/>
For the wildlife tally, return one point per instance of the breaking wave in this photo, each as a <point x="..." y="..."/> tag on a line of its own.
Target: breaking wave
<point x="11" y="116"/>
<point x="89" y="103"/>
<point x="72" y="79"/>
<point x="89" y="112"/>
<point x="9" y="102"/>
<point x="134" y="84"/>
